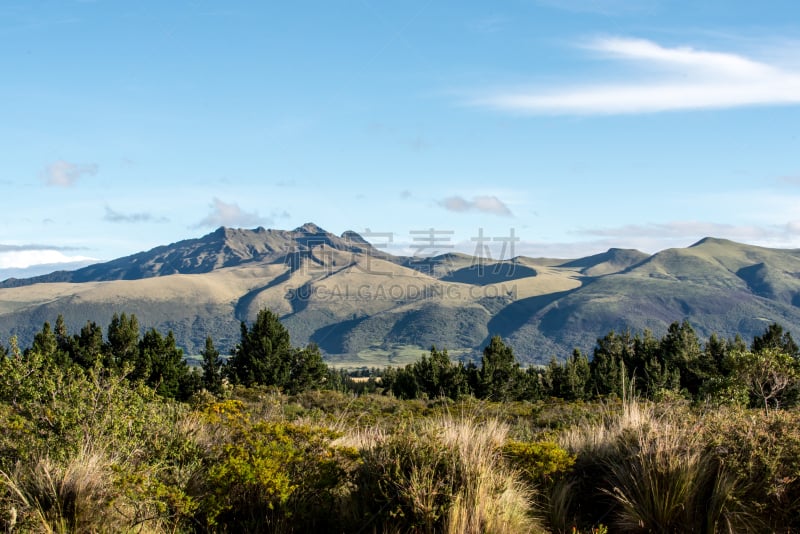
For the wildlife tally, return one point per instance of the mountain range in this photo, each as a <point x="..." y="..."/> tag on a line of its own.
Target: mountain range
<point x="363" y="306"/>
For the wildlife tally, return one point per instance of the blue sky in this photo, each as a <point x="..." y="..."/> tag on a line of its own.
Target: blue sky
<point x="579" y="125"/>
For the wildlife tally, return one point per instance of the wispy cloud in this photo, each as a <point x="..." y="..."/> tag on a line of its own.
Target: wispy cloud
<point x="225" y="214"/>
<point x="64" y="174"/>
<point x="675" y="229"/>
<point x="668" y="79"/>
<point x="36" y="246"/>
<point x="785" y="234"/>
<point x="119" y="217"/>
<point x="488" y="25"/>
<point x="652" y="238"/>
<point x="603" y="7"/>
<point x="484" y="204"/>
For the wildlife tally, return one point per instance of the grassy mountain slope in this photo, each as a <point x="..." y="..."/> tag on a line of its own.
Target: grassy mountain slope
<point x="719" y="286"/>
<point x="362" y="305"/>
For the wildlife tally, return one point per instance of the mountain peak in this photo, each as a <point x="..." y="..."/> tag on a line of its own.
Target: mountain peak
<point x="229" y="231"/>
<point x="355" y="238"/>
<point x="310" y="228"/>
<point x="614" y="260"/>
<point x="712" y="241"/>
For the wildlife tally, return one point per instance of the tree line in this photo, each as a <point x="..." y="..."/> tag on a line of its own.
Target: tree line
<point x="764" y="374"/>
<point x="264" y="356"/>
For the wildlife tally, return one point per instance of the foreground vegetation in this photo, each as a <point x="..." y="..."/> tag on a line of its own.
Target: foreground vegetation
<point x="125" y="437"/>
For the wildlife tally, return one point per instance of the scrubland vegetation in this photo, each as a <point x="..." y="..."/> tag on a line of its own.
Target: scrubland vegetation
<point x="114" y="433"/>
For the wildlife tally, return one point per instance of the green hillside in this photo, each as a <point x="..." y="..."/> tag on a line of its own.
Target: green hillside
<point x="353" y="301"/>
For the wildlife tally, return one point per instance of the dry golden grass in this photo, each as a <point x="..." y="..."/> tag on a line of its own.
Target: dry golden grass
<point x="483" y="495"/>
<point x="493" y="498"/>
<point x="656" y="471"/>
<point x="333" y="270"/>
<point x="49" y="497"/>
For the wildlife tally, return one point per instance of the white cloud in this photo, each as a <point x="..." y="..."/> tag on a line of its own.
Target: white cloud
<point x="484" y="204"/>
<point x="793" y="227"/>
<point x="22" y="259"/>
<point x="671" y="79"/>
<point x="64" y="174"/>
<point x="225" y="214"/>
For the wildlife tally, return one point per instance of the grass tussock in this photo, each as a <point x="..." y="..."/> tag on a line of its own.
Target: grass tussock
<point x="493" y="497"/>
<point x="648" y="468"/>
<point x="48" y="496"/>
<point x="444" y="475"/>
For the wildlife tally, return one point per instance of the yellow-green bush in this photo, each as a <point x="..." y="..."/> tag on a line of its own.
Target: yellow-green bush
<point x="762" y="452"/>
<point x="540" y="461"/>
<point x="269" y="475"/>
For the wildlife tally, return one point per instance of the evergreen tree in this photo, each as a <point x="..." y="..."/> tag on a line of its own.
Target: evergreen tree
<point x="161" y="365"/>
<point x="67" y="347"/>
<point x="212" y="368"/>
<point x="681" y="350"/>
<point x="500" y="375"/>
<point x="87" y="346"/>
<point x="122" y="348"/>
<point x="307" y="369"/>
<point x="608" y="362"/>
<point x="648" y="370"/>
<point x="553" y="378"/>
<point x="473" y="376"/>
<point x="45" y="344"/>
<point x="774" y="337"/>
<point x="433" y="375"/>
<point x="576" y="376"/>
<point x="429" y="372"/>
<point x="263" y="356"/>
<point x="457" y="381"/>
<point x="533" y="388"/>
<point x="404" y="384"/>
<point x="716" y="350"/>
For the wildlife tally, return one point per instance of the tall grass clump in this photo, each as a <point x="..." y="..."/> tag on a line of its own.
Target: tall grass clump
<point x="646" y="468"/>
<point x="662" y="480"/>
<point x="44" y="495"/>
<point x="442" y="475"/>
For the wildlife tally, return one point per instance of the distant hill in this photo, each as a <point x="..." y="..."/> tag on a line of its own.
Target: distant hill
<point x="614" y="260"/>
<point x="364" y="306"/>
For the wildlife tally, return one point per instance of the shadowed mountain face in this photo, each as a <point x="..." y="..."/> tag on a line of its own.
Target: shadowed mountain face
<point x="364" y="306"/>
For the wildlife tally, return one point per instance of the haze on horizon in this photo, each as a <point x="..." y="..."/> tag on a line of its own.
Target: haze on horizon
<point x="579" y="126"/>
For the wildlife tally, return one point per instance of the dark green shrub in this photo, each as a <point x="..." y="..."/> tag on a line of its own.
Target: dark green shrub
<point x="410" y="478"/>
